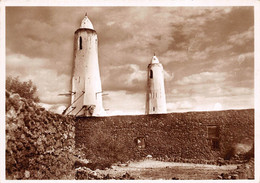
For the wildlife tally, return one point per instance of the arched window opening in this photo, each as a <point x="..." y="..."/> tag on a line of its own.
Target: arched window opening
<point x="80" y="43"/>
<point x="151" y="74"/>
<point x="153" y="108"/>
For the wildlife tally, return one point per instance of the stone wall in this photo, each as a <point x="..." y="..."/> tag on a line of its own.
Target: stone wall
<point x="192" y="135"/>
<point x="39" y="144"/>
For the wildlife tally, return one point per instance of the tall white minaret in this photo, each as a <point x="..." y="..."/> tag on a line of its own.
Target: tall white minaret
<point x="86" y="97"/>
<point x="155" y="95"/>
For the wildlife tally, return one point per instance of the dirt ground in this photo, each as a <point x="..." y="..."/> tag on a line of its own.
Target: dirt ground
<point x="154" y="170"/>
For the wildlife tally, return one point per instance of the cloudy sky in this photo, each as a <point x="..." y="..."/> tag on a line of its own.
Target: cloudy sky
<point x="207" y="54"/>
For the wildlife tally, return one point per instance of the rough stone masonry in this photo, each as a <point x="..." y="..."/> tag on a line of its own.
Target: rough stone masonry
<point x="39" y="144"/>
<point x="191" y="135"/>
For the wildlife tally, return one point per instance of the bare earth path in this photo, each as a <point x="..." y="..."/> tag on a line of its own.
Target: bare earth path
<point x="152" y="170"/>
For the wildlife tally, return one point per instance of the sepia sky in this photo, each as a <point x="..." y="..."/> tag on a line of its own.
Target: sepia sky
<point x="207" y="54"/>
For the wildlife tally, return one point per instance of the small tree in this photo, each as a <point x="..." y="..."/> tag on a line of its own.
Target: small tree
<point x="25" y="89"/>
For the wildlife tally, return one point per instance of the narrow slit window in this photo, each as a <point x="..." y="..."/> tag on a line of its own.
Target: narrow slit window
<point x="80" y="43"/>
<point x="151" y="74"/>
<point x="153" y="108"/>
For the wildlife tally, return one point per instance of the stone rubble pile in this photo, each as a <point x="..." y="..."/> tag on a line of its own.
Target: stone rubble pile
<point x="84" y="173"/>
<point x="243" y="171"/>
<point x="39" y="144"/>
<point x="88" y="174"/>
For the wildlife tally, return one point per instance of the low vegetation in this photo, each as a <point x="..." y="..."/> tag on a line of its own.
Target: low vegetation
<point x="25" y="89"/>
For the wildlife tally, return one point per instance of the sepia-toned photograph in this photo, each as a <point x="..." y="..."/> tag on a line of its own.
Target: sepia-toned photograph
<point x="129" y="93"/>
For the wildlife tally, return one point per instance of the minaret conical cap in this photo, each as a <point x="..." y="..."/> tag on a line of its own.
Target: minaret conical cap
<point x="154" y="60"/>
<point x="86" y="23"/>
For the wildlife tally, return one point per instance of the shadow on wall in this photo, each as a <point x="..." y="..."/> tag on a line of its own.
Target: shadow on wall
<point x="244" y="149"/>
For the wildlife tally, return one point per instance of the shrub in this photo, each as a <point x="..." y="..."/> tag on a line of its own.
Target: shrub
<point x="25" y="89"/>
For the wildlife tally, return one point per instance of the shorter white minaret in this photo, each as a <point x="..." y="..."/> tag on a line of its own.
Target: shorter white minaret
<point x="155" y="95"/>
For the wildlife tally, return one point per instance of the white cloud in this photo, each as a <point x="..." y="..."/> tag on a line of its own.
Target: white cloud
<point x="217" y="106"/>
<point x="174" y="56"/>
<point x="199" y="55"/>
<point x="240" y="91"/>
<point x="218" y="48"/>
<point x="245" y="56"/>
<point x="56" y="108"/>
<point x="206" y="98"/>
<point x="121" y="102"/>
<point x="242" y="38"/>
<point x="179" y="106"/>
<point x="60" y="109"/>
<point x="185" y="105"/>
<point x="128" y="77"/>
<point x="135" y="75"/>
<point x="21" y="63"/>
<point x="168" y="76"/>
<point x="179" y="93"/>
<point x="123" y="113"/>
<point x="110" y="23"/>
<point x="204" y="77"/>
<point x="49" y="83"/>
